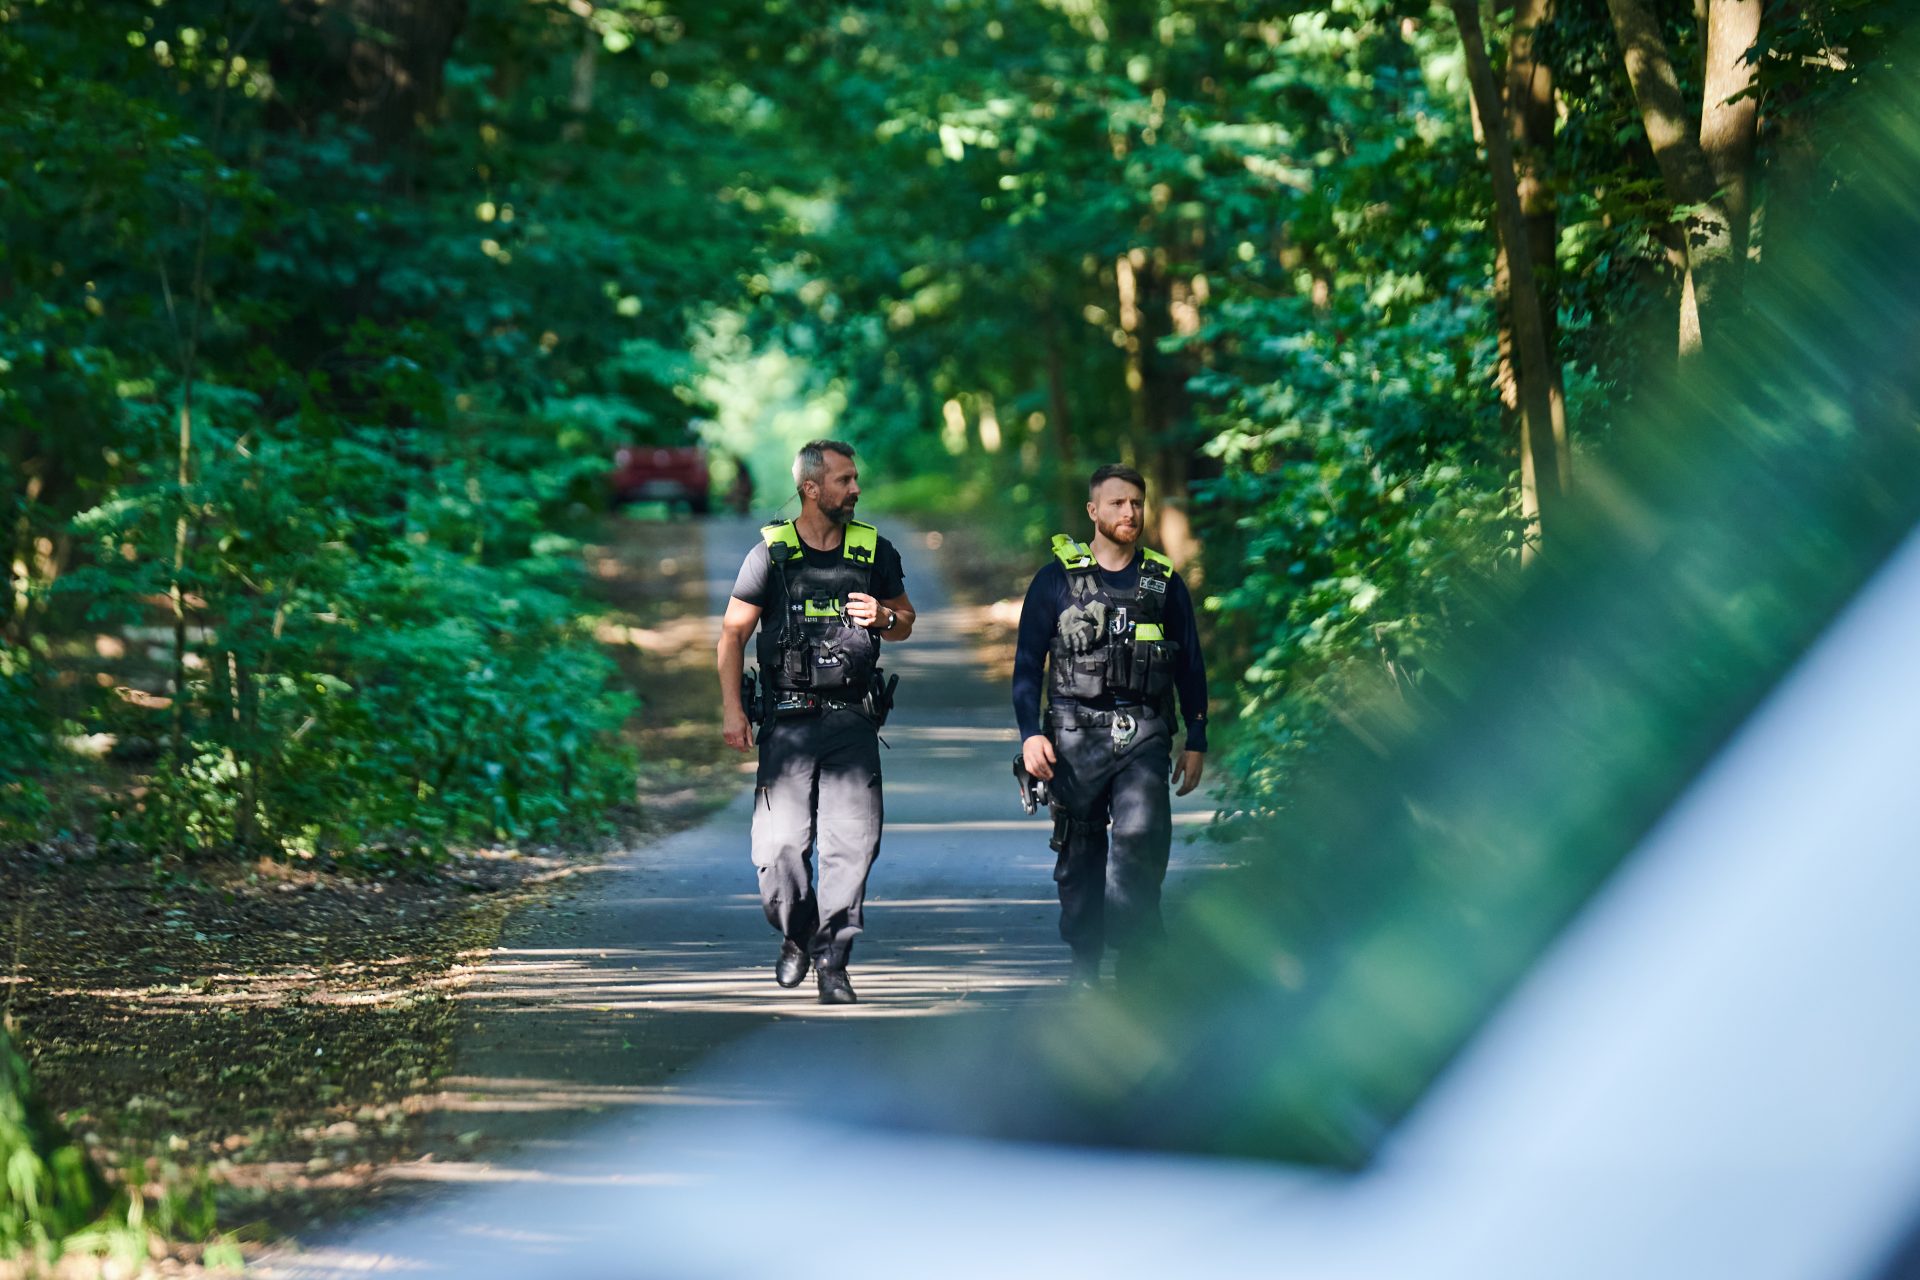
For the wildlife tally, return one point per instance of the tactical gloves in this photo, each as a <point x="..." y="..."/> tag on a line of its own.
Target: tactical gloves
<point x="1080" y="626"/>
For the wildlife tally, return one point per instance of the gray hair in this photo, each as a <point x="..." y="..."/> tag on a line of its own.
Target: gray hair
<point x="811" y="462"/>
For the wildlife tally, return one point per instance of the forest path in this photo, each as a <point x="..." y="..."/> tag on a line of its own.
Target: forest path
<point x="594" y="1006"/>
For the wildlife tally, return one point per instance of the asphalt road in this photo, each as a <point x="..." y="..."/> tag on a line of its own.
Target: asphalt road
<point x="595" y="1011"/>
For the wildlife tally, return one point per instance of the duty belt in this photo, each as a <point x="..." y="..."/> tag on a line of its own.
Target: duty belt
<point x="806" y="704"/>
<point x="1081" y="718"/>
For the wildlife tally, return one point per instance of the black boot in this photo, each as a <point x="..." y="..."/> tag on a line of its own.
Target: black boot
<point x="835" y="988"/>
<point x="792" y="964"/>
<point x="1085" y="973"/>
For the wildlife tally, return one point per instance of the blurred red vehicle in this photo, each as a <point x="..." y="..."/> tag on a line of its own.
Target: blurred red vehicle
<point x="649" y="473"/>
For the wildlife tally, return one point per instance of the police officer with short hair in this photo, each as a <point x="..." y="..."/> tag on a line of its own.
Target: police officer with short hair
<point x="1108" y="628"/>
<point x="830" y="591"/>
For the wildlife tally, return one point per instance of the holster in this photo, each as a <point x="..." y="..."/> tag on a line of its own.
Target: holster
<point x="751" y="696"/>
<point x="880" y="687"/>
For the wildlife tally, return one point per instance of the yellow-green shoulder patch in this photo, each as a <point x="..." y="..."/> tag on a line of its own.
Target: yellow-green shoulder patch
<point x="1071" y="554"/>
<point x="861" y="543"/>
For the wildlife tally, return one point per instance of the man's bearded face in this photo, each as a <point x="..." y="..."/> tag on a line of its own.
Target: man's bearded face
<point x="839" y="488"/>
<point x="1119" y="511"/>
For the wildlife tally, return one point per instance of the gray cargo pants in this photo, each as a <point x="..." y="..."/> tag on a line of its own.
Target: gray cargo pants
<point x="1110" y="879"/>
<point x="819" y="789"/>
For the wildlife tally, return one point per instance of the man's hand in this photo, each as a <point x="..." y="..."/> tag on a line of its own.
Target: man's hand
<point x="735" y="729"/>
<point x="1187" y="770"/>
<point x="1037" y="754"/>
<point x="738" y="623"/>
<point x="863" y="609"/>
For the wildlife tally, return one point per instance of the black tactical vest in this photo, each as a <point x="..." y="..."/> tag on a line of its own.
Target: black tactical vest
<point x="1129" y="660"/>
<point x="807" y="643"/>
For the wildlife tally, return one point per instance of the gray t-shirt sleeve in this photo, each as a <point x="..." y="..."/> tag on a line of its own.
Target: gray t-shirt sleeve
<point x="750" y="584"/>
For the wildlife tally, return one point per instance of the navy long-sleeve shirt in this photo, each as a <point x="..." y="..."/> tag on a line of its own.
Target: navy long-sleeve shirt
<point x="1049" y="596"/>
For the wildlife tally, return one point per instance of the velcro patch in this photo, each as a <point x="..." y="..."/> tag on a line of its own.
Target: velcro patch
<point x="1156" y="585"/>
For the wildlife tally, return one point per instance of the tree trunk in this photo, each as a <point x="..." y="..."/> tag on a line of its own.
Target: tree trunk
<point x="1156" y="399"/>
<point x="1727" y="128"/>
<point x="1531" y="117"/>
<point x="1059" y="406"/>
<point x="1126" y="280"/>
<point x="379" y="64"/>
<point x="1707" y="245"/>
<point x="397" y="60"/>
<point x="1529" y="332"/>
<point x="584" y="63"/>
<point x="1513" y="422"/>
<point x="249" y="751"/>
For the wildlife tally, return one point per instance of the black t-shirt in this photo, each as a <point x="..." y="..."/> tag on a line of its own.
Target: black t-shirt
<point x="889" y="579"/>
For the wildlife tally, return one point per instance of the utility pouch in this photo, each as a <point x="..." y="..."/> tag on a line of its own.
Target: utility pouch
<point x="1062" y="830"/>
<point x="831" y="671"/>
<point x="1080" y="676"/>
<point x="1154" y="661"/>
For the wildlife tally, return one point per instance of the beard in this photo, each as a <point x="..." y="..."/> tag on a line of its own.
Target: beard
<point x="840" y="514"/>
<point x="1114" y="533"/>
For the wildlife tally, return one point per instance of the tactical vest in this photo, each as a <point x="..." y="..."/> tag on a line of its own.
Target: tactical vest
<point x="1130" y="660"/>
<point x="807" y="643"/>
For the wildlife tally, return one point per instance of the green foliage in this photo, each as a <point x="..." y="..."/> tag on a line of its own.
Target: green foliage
<point x="1247" y="248"/>
<point x="384" y="653"/>
<point x="400" y="361"/>
<point x="51" y="1189"/>
<point x="1353" y="530"/>
<point x="1362" y="468"/>
<point x="54" y="1202"/>
<point x="24" y="748"/>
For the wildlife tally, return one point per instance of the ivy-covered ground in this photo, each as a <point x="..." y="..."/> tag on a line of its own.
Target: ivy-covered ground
<point x="273" y="1031"/>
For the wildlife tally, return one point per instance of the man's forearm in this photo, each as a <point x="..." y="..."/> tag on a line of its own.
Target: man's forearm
<point x="733" y="662"/>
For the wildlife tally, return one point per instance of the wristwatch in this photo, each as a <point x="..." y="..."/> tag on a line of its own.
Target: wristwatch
<point x="892" y="618"/>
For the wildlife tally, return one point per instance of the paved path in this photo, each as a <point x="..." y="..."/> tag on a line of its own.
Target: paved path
<point x="593" y="1010"/>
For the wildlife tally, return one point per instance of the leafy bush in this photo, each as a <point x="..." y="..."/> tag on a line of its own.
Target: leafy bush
<point x="1354" y="512"/>
<point x="378" y="651"/>
<point x="52" y="1190"/>
<point x="24" y="748"/>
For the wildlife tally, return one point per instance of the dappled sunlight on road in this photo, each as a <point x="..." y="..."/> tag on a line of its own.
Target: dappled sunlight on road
<point x="982" y="972"/>
<point x="481" y="1172"/>
<point x="514" y="1093"/>
<point x="1039" y="826"/>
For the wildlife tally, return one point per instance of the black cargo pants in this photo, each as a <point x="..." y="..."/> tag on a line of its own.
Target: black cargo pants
<point x="819" y="790"/>
<point x="1118" y="821"/>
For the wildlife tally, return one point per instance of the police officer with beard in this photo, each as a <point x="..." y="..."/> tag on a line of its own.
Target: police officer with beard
<point x="830" y="591"/>
<point x="1108" y="628"/>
